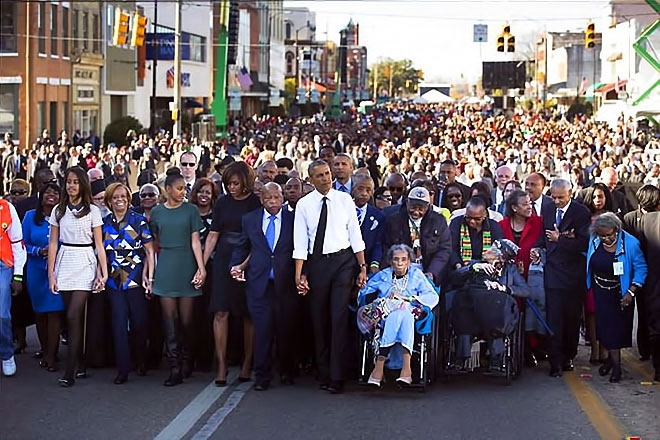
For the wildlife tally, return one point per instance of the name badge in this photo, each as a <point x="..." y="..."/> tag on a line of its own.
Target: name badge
<point x="618" y="268"/>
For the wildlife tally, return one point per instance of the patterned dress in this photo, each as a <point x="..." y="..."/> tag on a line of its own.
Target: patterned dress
<point x="124" y="245"/>
<point x="75" y="265"/>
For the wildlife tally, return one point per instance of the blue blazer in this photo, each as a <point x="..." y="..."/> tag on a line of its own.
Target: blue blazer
<point x="629" y="252"/>
<point x="262" y="258"/>
<point x="372" y="234"/>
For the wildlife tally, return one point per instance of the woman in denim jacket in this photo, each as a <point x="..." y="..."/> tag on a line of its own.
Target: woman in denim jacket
<point x="616" y="270"/>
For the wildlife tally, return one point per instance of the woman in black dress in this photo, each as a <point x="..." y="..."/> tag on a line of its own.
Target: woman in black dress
<point x="228" y="295"/>
<point x="204" y="195"/>
<point x="616" y="271"/>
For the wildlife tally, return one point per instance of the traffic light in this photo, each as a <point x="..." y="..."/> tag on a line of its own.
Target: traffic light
<point x="120" y="29"/>
<point x="501" y="41"/>
<point x="511" y="43"/>
<point x="138" y="29"/>
<point x="590" y="36"/>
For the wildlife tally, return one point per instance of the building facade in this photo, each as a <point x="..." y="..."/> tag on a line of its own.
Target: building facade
<point x="87" y="62"/>
<point x="122" y="70"/>
<point x="36" y="62"/>
<point x="196" y="65"/>
<point x="302" y="52"/>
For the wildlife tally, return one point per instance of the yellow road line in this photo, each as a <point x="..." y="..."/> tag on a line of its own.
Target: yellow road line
<point x="599" y="413"/>
<point x="642" y="368"/>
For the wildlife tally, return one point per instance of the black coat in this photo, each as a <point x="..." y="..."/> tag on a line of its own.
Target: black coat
<point x="435" y="241"/>
<point x="566" y="264"/>
<point x="650" y="241"/>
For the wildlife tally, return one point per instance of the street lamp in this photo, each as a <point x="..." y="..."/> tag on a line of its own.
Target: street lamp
<point x="312" y="28"/>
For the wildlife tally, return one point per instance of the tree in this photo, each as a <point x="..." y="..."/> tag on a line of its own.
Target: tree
<point x="116" y="130"/>
<point x="395" y="78"/>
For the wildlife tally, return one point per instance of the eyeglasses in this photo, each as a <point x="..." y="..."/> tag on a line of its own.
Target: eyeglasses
<point x="385" y="198"/>
<point x="18" y="192"/>
<point x="608" y="237"/>
<point x="53" y="180"/>
<point x="476" y="219"/>
<point x="188" y="164"/>
<point x="146" y="195"/>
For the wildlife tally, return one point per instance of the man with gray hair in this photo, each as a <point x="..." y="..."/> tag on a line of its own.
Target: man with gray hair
<point x="565" y="240"/>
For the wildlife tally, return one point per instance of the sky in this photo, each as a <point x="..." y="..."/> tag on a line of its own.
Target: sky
<point x="437" y="35"/>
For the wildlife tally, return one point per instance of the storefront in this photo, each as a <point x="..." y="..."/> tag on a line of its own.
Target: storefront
<point x="86" y="81"/>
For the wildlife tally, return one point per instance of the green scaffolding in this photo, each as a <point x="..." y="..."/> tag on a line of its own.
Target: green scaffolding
<point x="648" y="53"/>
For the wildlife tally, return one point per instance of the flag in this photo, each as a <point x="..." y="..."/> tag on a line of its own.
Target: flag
<point x="243" y="77"/>
<point x="584" y="85"/>
<point x="170" y="78"/>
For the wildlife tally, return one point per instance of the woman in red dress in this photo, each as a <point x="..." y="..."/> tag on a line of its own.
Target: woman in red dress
<point x="524" y="229"/>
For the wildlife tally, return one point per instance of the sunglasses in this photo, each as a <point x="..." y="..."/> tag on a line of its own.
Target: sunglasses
<point x="476" y="219"/>
<point x="396" y="188"/>
<point x="385" y="198"/>
<point x="146" y="195"/>
<point x="188" y="164"/>
<point x="18" y="192"/>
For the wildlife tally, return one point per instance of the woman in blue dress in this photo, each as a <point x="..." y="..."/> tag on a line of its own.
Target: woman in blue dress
<point x="47" y="306"/>
<point x="400" y="290"/>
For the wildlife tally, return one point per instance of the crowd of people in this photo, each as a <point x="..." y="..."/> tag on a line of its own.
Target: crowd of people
<point x="251" y="250"/>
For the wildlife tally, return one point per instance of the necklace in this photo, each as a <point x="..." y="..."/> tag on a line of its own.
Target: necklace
<point x="399" y="284"/>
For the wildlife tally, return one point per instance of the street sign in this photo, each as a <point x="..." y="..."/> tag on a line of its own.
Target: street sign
<point x="480" y="33"/>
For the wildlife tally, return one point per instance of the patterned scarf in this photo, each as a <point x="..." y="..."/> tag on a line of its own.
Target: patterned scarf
<point x="466" y="244"/>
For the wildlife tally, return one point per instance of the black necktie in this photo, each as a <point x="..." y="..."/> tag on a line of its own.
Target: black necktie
<point x="320" y="230"/>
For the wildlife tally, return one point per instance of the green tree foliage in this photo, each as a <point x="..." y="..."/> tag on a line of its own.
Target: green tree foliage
<point x="396" y="78"/>
<point x="117" y="129"/>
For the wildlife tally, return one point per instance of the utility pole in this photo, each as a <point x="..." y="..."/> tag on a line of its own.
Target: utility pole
<point x="376" y="82"/>
<point x="28" y="77"/>
<point x="154" y="68"/>
<point x="176" y="111"/>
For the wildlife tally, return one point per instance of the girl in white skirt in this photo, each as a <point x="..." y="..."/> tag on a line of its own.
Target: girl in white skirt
<point x="75" y="231"/>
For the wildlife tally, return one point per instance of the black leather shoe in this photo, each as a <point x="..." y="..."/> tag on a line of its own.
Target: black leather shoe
<point x="604" y="369"/>
<point x="174" y="379"/>
<point x="286" y="380"/>
<point x="555" y="372"/>
<point x="81" y="374"/>
<point x="530" y="360"/>
<point x="335" y="388"/>
<point x="615" y="377"/>
<point x="221" y="383"/>
<point x="324" y="387"/>
<point x="187" y="369"/>
<point x="568" y="365"/>
<point x="141" y="370"/>
<point x="260" y="386"/>
<point x="244" y="379"/>
<point x="67" y="382"/>
<point x="120" y="379"/>
<point x="38" y="354"/>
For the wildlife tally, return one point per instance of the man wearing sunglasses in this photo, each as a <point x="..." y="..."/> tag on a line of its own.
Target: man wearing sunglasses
<point x="41" y="179"/>
<point x="188" y="163"/>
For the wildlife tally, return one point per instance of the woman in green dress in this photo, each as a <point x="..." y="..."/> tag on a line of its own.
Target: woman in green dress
<point x="179" y="272"/>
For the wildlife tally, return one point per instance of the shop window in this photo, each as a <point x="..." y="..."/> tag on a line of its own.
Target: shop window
<point x="9" y="109"/>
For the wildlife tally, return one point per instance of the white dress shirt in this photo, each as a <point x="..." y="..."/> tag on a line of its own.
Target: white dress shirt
<point x="538" y="204"/>
<point x="278" y="225"/>
<point x="342" y="229"/>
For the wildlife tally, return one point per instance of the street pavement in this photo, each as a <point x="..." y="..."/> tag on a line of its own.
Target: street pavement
<point x="581" y="405"/>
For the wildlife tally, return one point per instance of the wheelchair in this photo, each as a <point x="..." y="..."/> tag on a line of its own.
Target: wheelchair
<point x="513" y="339"/>
<point x="423" y="357"/>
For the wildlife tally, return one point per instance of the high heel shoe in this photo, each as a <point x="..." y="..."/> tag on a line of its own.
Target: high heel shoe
<point x="373" y="381"/>
<point x="615" y="377"/>
<point x="605" y="369"/>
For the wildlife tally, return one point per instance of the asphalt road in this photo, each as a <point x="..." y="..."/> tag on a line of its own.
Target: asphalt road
<point x="33" y="406"/>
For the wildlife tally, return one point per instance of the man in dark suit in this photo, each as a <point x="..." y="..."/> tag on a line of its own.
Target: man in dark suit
<point x="15" y="167"/>
<point x="503" y="175"/>
<point x="41" y="178"/>
<point x="534" y="185"/>
<point x="342" y="170"/>
<point x="339" y="145"/>
<point x="566" y="239"/>
<point x="372" y="221"/>
<point x="267" y="238"/>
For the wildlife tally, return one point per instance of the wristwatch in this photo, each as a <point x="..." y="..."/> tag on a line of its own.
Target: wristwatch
<point x="363" y="266"/>
<point x="631" y="293"/>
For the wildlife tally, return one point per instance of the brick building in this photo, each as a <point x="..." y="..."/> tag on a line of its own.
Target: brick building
<point x="42" y="46"/>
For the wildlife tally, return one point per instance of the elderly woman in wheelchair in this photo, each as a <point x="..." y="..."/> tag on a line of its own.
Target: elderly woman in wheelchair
<point x="475" y="308"/>
<point x="402" y="294"/>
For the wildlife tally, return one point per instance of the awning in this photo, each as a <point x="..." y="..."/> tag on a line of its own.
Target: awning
<point x="611" y="86"/>
<point x="615" y="57"/>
